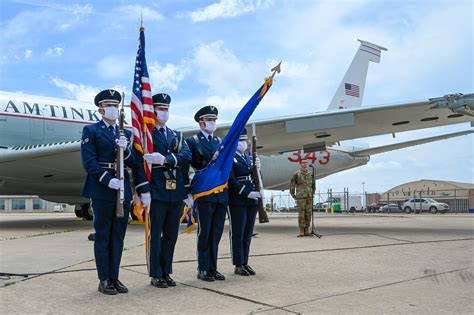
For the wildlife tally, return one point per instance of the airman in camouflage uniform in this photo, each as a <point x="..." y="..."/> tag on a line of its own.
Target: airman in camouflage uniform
<point x="301" y="189"/>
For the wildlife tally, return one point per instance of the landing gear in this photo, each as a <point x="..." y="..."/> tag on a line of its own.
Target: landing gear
<point x="84" y="211"/>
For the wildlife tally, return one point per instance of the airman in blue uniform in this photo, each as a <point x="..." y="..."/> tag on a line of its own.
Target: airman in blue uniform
<point x="211" y="209"/>
<point x="170" y="154"/>
<point x="243" y="207"/>
<point x="99" y="146"/>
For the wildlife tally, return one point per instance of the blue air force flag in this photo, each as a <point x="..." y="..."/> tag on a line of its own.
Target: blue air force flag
<point x="215" y="175"/>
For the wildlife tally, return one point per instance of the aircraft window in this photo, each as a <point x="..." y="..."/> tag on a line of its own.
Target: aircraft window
<point x="18" y="204"/>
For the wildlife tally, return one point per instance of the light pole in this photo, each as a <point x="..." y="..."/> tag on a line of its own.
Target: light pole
<point x="363" y="195"/>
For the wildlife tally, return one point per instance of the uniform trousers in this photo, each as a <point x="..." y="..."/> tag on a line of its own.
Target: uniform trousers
<point x="211" y="220"/>
<point x="242" y="222"/>
<point x="164" y="228"/>
<point x="109" y="236"/>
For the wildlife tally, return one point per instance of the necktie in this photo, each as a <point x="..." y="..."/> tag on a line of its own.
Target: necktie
<point x="162" y="131"/>
<point x="209" y="138"/>
<point x="112" y="129"/>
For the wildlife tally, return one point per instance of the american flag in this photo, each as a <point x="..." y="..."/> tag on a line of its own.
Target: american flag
<point x="143" y="115"/>
<point x="352" y="89"/>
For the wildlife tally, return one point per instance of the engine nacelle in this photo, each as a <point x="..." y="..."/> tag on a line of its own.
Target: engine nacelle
<point x="458" y="103"/>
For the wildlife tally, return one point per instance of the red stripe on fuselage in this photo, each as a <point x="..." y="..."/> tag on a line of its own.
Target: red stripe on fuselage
<point x="56" y="119"/>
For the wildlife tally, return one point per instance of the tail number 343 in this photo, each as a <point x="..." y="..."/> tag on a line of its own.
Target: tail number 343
<point x="323" y="157"/>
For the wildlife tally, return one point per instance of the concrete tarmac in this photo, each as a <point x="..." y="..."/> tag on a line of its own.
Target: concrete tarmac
<point x="368" y="264"/>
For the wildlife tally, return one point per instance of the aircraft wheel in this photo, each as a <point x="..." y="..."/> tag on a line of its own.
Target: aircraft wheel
<point x="87" y="211"/>
<point x="78" y="212"/>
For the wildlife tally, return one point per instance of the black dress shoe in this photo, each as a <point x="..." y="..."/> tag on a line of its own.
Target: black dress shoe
<point x="159" y="282"/>
<point x="241" y="271"/>
<point x="107" y="288"/>
<point x="205" y="276"/>
<point x="119" y="286"/>
<point x="170" y="282"/>
<point x="218" y="275"/>
<point x="250" y="270"/>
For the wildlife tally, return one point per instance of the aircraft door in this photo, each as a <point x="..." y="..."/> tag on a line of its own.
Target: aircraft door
<point x="37" y="129"/>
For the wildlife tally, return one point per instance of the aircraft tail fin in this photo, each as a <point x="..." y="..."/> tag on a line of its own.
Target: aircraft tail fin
<point x="350" y="92"/>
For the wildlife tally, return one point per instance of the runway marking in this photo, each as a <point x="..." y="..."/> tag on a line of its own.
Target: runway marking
<point x="374" y="287"/>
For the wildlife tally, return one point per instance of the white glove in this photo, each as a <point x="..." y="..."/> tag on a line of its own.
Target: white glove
<point x="122" y="142"/>
<point x="189" y="201"/>
<point x="258" y="163"/>
<point x="146" y="200"/>
<point x="115" y="184"/>
<point x="254" y="195"/>
<point x="154" y="158"/>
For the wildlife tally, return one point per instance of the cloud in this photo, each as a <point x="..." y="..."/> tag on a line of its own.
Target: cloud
<point x="54" y="52"/>
<point x="28" y="53"/>
<point x="228" y="9"/>
<point x="115" y="67"/>
<point x="167" y="76"/>
<point x="136" y="11"/>
<point x="79" y="92"/>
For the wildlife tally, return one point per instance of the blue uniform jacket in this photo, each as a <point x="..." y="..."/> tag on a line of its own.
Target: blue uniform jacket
<point x="173" y="170"/>
<point x="202" y="153"/>
<point x="98" y="147"/>
<point x="240" y="183"/>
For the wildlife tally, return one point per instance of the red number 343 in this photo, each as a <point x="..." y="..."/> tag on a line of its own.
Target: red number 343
<point x="324" y="158"/>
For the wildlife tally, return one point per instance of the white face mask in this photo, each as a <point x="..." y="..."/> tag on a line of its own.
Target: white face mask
<point x="210" y="126"/>
<point x="162" y="116"/>
<point x="111" y="113"/>
<point x="242" y="146"/>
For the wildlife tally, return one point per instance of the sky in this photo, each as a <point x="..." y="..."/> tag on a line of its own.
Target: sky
<point x="218" y="52"/>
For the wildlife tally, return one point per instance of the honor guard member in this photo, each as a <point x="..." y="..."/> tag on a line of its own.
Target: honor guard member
<point x="243" y="207"/>
<point x="170" y="154"/>
<point x="99" y="147"/>
<point x="211" y="209"/>
<point x="301" y="189"/>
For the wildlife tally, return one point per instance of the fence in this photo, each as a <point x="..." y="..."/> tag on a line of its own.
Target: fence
<point x="458" y="200"/>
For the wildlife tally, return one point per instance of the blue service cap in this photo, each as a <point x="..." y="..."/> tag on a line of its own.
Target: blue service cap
<point x="108" y="96"/>
<point x="206" y="112"/>
<point x="243" y="134"/>
<point x="161" y="100"/>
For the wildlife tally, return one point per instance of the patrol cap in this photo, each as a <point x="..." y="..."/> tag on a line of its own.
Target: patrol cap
<point x="162" y="100"/>
<point x="206" y="112"/>
<point x="108" y="96"/>
<point x="243" y="134"/>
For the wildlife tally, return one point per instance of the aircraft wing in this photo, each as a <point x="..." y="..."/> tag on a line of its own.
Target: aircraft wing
<point x="406" y="144"/>
<point x="312" y="132"/>
<point x="43" y="167"/>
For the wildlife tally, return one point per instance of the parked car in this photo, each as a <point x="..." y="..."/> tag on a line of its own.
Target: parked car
<point x="60" y="207"/>
<point x="424" y="204"/>
<point x="390" y="208"/>
<point x="375" y="207"/>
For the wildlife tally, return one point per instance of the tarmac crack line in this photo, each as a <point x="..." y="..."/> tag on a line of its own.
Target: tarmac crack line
<point x="238" y="297"/>
<point x="374" y="287"/>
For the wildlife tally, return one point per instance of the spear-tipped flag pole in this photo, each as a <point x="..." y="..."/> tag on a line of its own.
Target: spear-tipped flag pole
<point x="214" y="177"/>
<point x="143" y="122"/>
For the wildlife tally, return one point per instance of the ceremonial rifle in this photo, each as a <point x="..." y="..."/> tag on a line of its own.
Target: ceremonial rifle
<point x="120" y="165"/>
<point x="257" y="179"/>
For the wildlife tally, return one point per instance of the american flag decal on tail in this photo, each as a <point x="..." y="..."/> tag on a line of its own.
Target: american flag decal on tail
<point x="352" y="90"/>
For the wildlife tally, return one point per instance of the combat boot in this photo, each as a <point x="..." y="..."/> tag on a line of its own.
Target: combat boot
<point x="301" y="232"/>
<point x="306" y="232"/>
